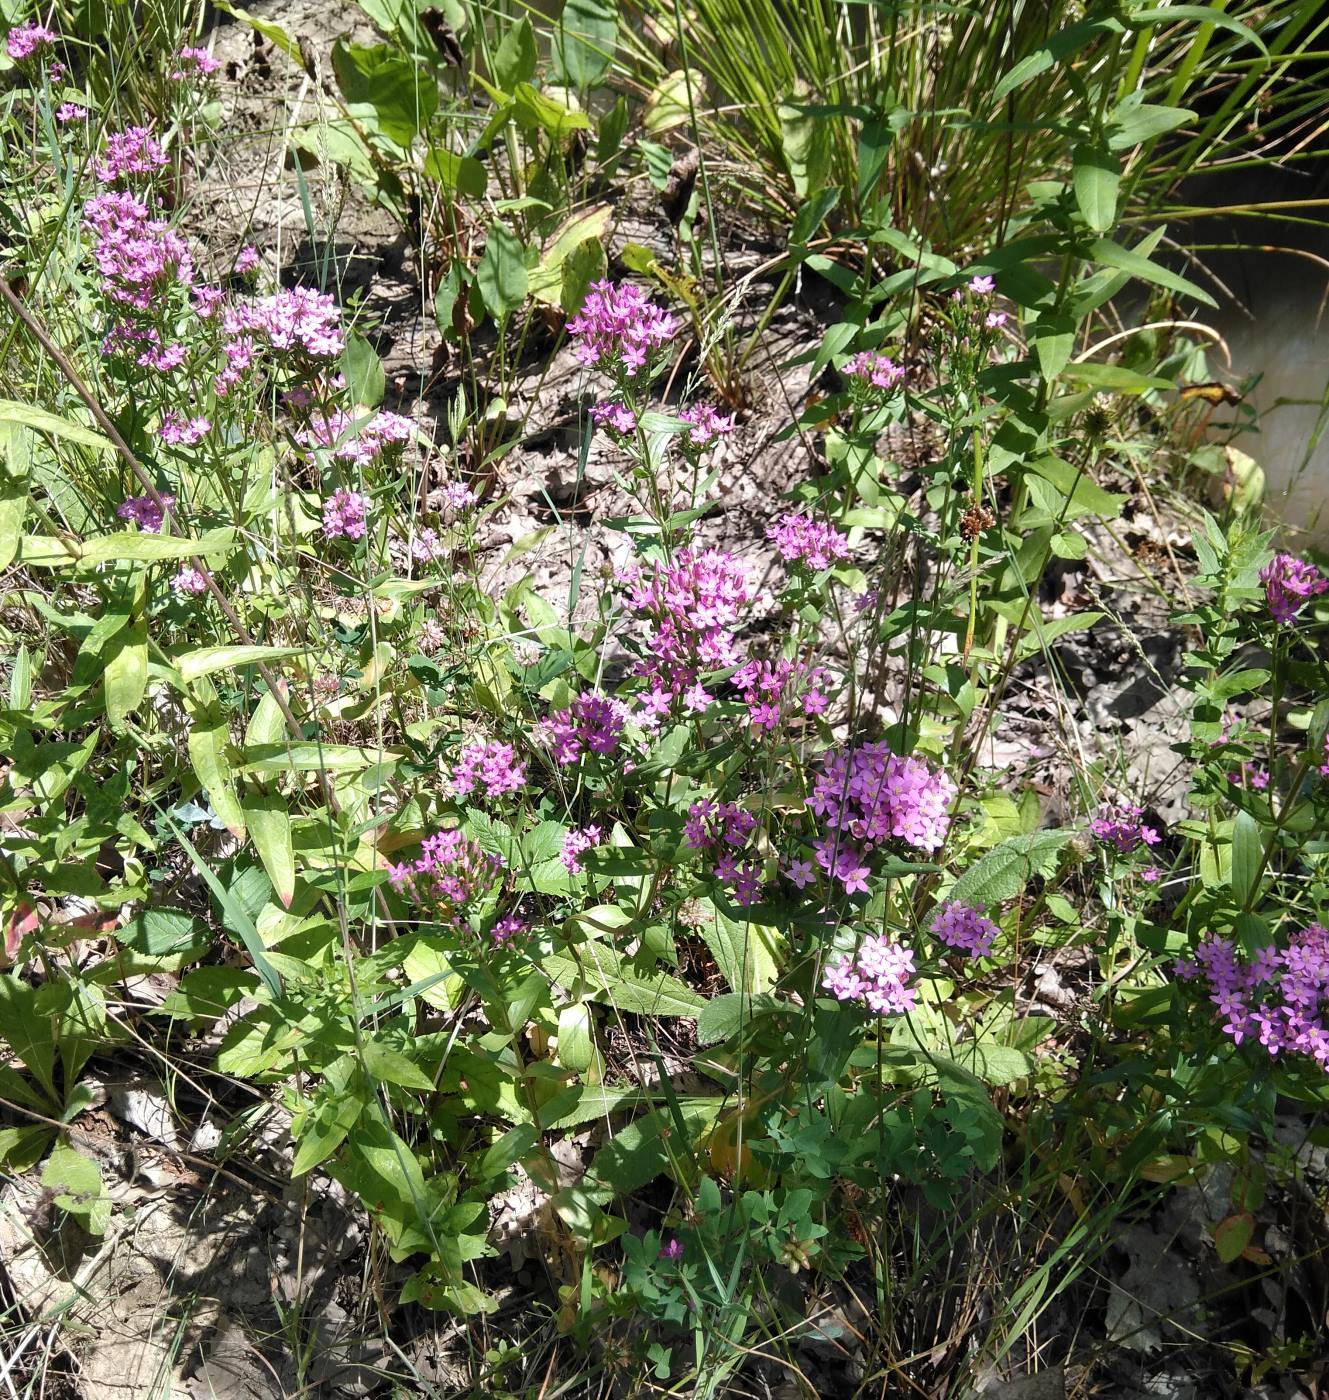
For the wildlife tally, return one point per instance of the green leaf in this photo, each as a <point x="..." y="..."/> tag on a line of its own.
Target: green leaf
<point x="1231" y="1236"/>
<point x="585" y="42"/>
<point x="1004" y="871"/>
<point x="390" y="1065"/>
<point x="806" y="141"/>
<point x="727" y="1014"/>
<point x="1095" y="177"/>
<point x="1133" y="123"/>
<point x="1247" y="857"/>
<point x="745" y="952"/>
<point x="576" y="1042"/>
<point x="501" y="274"/>
<point x="50" y="551"/>
<point x="77" y="1182"/>
<point x="209" y="740"/>
<point x="205" y="660"/>
<point x="1110" y="254"/>
<point x="1203" y="14"/>
<point x="514" y="59"/>
<point x="1065" y="44"/>
<point x="307" y="756"/>
<point x="27" y="1031"/>
<point x="640" y="1151"/>
<point x="603" y="975"/>
<point x="535" y="110"/>
<point x="384" y="89"/>
<point x="160" y="932"/>
<point x="237" y="916"/>
<point x="1042" y="634"/>
<point x="458" y="175"/>
<point x="126" y="672"/>
<point x="365" y="379"/>
<point x="589" y="227"/>
<point x="269" y="821"/>
<point x="207" y="993"/>
<point x="41" y="421"/>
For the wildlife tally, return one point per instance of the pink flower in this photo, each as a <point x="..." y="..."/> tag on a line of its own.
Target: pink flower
<point x="68" y="112"/>
<point x="995" y="320"/>
<point x="134" y="151"/>
<point x="25" y="40"/>
<point x="799" y="539"/>
<point x="344" y="515"/>
<point x="488" y="765"/>
<point x="964" y="928"/>
<point x="982" y="285"/>
<point x="1289" y="583"/>
<point x="246" y="260"/>
<point x="193" y="63"/>
<point x="145" y="512"/>
<point x="576" y="843"/>
<point x="452" y="872"/>
<point x="870" y="370"/>
<point x="593" y="722"/>
<point x="706" y="424"/>
<point x="620" y="329"/>
<point x="879" y="976"/>
<point x="178" y="431"/>
<point x="458" y="497"/>
<point x="1120" y="826"/>
<point x="800" y="872"/>
<point x="617" y="417"/>
<point x="189" y="580"/>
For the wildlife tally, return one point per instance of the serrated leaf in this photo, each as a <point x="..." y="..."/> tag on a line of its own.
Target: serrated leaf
<point x="1005" y="870"/>
<point x="77" y="1182"/>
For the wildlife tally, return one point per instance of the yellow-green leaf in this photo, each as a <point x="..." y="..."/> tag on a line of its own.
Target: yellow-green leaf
<point x="206" y="660"/>
<point x="269" y="824"/>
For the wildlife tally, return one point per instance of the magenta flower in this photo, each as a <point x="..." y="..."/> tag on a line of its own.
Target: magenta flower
<point x="1289" y="583"/>
<point x="964" y="928"/>
<point x="26" y="40"/>
<point x="800" y="539"/>
<point x="189" y="580"/>
<point x="134" y="151"/>
<point x="879" y="976"/>
<point x="178" y="431"/>
<point x="344" y="515"/>
<point x="246" y="260"/>
<point x="706" y="424"/>
<point x="673" y="1251"/>
<point x="593" y="722"/>
<point x="620" y="329"/>
<point x="1121" y="826"/>
<point x="451" y="872"/>
<point x="489" y="767"/>
<point x="69" y="112"/>
<point x="145" y="512"/>
<point x="506" y="929"/>
<point x="193" y="63"/>
<point x="1277" y="997"/>
<point x="139" y="258"/>
<point x="576" y="843"/>
<point x="617" y="417"/>
<point x="870" y="370"/>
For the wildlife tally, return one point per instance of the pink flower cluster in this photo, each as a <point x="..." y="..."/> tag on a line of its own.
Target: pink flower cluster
<point x="189" y="580"/>
<point x="770" y="689"/>
<point x="1277" y="996"/>
<point x="355" y="441"/>
<point x="1324" y="767"/>
<point x="296" y="323"/>
<point x="139" y="258"/>
<point x="620" y="329"/>
<point x="344" y="514"/>
<point x="869" y="795"/>
<point x="450" y="872"/>
<point x="593" y="722"/>
<point x="618" y="418"/>
<point x="799" y="539"/>
<point x="693" y="602"/>
<point x="722" y="829"/>
<point x="504" y="930"/>
<point x="879" y="976"/>
<point x="870" y="370"/>
<point x="488" y="767"/>
<point x="193" y="63"/>
<point x="706" y="423"/>
<point x="1290" y="583"/>
<point x="68" y="112"/>
<point x="1121" y="826"/>
<point x="144" y="511"/>
<point x="178" y="431"/>
<point x="25" y="40"/>
<point x="576" y="843"/>
<point x="133" y="151"/>
<point x="964" y="928"/>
